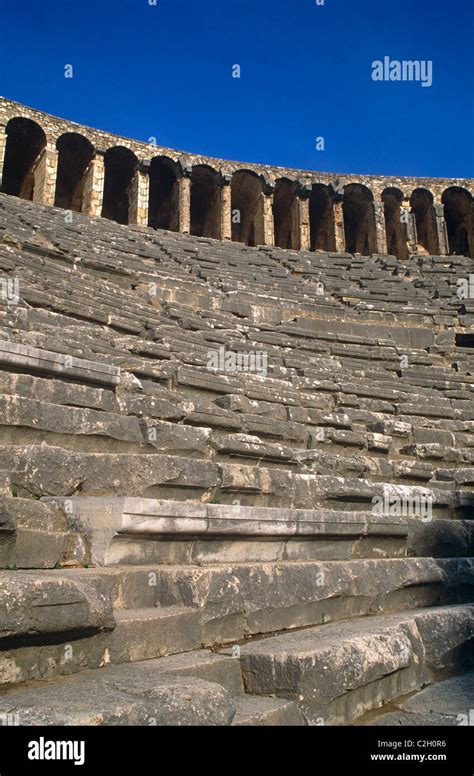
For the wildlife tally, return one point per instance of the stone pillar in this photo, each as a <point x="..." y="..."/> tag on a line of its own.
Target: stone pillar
<point x="268" y="223"/>
<point x="409" y="220"/>
<point x="3" y="145"/>
<point x="184" y="200"/>
<point x="93" y="197"/>
<point x="339" y="234"/>
<point x="380" y="228"/>
<point x="442" y="231"/>
<point x="45" y="172"/>
<point x="139" y="194"/>
<point x="226" y="207"/>
<point x="304" y="230"/>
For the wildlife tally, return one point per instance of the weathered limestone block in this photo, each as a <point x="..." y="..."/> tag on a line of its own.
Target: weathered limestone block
<point x="238" y="532"/>
<point x="45" y="174"/>
<point x="177" y="439"/>
<point x="94" y="185"/>
<point x="226" y="208"/>
<point x="184" y="199"/>
<point x="44" y="361"/>
<point x="41" y="470"/>
<point x="20" y="412"/>
<point x="441" y="704"/>
<point x="447" y="634"/>
<point x="337" y="672"/>
<point x="31" y="605"/>
<point x="139" y="196"/>
<point x="441" y="538"/>
<point x="134" y="695"/>
<point x="58" y="392"/>
<point x="340" y="237"/>
<point x="150" y="407"/>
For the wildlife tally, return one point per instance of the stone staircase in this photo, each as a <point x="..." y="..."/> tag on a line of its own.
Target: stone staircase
<point x="181" y="545"/>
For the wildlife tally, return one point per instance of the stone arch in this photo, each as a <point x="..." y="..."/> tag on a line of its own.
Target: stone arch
<point x="163" y="209"/>
<point x="321" y="218"/>
<point x="247" y="208"/>
<point x="205" y="201"/>
<point x="75" y="154"/>
<point x="25" y="143"/>
<point x="458" y="204"/>
<point x="395" y="228"/>
<point x="359" y="219"/>
<point x="285" y="214"/>
<point x="120" y="165"/>
<point x="422" y="207"/>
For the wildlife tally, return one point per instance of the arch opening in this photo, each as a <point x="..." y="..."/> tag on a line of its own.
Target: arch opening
<point x="205" y="202"/>
<point x="422" y="207"/>
<point x="321" y="219"/>
<point x="163" y="209"/>
<point x="395" y="229"/>
<point x="285" y="214"/>
<point x="75" y="154"/>
<point x="359" y="219"/>
<point x="25" y="143"/>
<point x="247" y="208"/>
<point x="458" y="204"/>
<point x="120" y="165"/>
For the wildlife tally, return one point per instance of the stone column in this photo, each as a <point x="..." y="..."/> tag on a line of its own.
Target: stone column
<point x="94" y="185"/>
<point x="304" y="230"/>
<point x="45" y="172"/>
<point x="268" y="224"/>
<point x="339" y="233"/>
<point x="139" y="194"/>
<point x="442" y="231"/>
<point x="3" y="145"/>
<point x="409" y="220"/>
<point x="226" y="207"/>
<point x="380" y="228"/>
<point x="184" y="200"/>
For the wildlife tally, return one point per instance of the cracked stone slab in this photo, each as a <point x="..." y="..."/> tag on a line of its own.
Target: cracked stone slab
<point x="134" y="694"/>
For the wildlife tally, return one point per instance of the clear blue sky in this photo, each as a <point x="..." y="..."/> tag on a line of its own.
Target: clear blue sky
<point x="166" y="71"/>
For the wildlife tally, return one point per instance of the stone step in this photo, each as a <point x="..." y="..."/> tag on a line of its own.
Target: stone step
<point x="336" y="673"/>
<point x="206" y="665"/>
<point x="255" y="711"/>
<point x="168" y="610"/>
<point x="143" y="531"/>
<point x="446" y="703"/>
<point x="142" y="634"/>
<point x="134" y="694"/>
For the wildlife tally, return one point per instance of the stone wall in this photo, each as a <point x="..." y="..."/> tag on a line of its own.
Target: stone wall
<point x="357" y="204"/>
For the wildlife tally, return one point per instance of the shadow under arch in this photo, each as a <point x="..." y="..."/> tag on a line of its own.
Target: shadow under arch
<point x="26" y="141"/>
<point x="458" y="214"/>
<point x="247" y="208"/>
<point x="75" y="154"/>
<point x="359" y="219"/>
